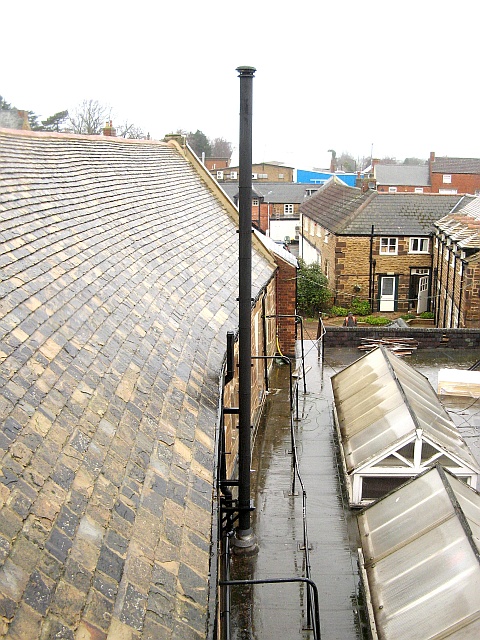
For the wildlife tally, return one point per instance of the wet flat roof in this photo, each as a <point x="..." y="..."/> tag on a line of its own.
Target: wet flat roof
<point x="269" y="611"/>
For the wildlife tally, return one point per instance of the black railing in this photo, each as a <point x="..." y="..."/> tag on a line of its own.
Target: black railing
<point x="230" y="514"/>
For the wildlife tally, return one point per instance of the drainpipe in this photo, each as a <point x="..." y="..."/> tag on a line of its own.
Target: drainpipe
<point x="245" y="539"/>
<point x="461" y="314"/>
<point x="370" y="275"/>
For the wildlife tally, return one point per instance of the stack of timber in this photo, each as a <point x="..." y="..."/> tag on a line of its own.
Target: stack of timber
<point x="399" y="346"/>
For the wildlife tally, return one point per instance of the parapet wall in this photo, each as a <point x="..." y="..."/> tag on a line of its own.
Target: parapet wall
<point x="428" y="338"/>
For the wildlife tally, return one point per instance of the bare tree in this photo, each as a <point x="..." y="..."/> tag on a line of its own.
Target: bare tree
<point x="129" y="130"/>
<point x="220" y="148"/>
<point x="90" y="117"/>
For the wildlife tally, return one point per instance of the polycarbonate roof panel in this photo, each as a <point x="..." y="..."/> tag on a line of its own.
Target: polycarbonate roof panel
<point x="422" y="569"/>
<point x="369" y="395"/>
<point x="393" y="426"/>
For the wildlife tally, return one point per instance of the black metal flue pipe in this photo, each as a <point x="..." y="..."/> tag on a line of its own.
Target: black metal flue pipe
<point x="244" y="536"/>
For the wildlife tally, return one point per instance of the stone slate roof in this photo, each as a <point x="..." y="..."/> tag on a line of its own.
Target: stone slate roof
<point x="456" y="165"/>
<point x="346" y="210"/>
<point x="463" y="224"/>
<point x="118" y="284"/>
<point x="334" y="203"/>
<point x="391" y="174"/>
<point x="273" y="192"/>
<point x="400" y="214"/>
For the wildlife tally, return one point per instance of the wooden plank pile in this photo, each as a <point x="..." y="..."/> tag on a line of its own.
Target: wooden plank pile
<point x="399" y="346"/>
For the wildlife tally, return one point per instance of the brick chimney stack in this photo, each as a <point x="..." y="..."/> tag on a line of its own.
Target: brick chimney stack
<point x="109" y="129"/>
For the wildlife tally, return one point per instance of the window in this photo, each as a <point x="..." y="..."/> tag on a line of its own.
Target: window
<point x="392" y="189"/>
<point x="255" y="202"/>
<point x="233" y="175"/>
<point x="418" y="189"/>
<point x="219" y="175"/>
<point x="326" y="237"/>
<point x="280" y="176"/>
<point x="388" y="246"/>
<point x="419" y="245"/>
<point x="451" y="192"/>
<point x="288" y="209"/>
<point x="447" y="178"/>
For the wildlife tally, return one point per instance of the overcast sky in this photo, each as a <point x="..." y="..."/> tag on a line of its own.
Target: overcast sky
<point x="398" y="77"/>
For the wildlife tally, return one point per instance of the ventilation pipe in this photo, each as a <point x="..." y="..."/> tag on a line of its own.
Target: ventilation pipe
<point x="245" y="539"/>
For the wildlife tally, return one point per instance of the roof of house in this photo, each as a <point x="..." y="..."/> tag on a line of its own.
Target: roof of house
<point x="334" y="203"/>
<point x="399" y="214"/>
<point x="463" y="224"/>
<point x="273" y="192"/>
<point x="455" y="165"/>
<point x="401" y="175"/>
<point x="119" y="266"/>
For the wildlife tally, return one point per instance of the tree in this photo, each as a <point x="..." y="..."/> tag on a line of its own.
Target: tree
<point x="90" y="117"/>
<point x="220" y="148"/>
<point x="414" y="162"/>
<point x="313" y="294"/>
<point x="129" y="130"/>
<point x="4" y="104"/>
<point x="346" y="162"/>
<point x="55" y="122"/>
<point x="199" y="142"/>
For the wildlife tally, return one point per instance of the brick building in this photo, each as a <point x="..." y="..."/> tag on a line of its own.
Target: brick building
<point x="372" y="246"/>
<point x="454" y="175"/>
<point x="261" y="172"/>
<point x="276" y="207"/>
<point x="456" y="264"/>
<point x="449" y="176"/>
<point x="392" y="178"/>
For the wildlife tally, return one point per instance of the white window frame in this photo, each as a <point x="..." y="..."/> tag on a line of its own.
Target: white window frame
<point x="219" y="175"/>
<point x="419" y="245"/>
<point x="392" y="189"/>
<point x="388" y="246"/>
<point x="255" y="202"/>
<point x="418" y="189"/>
<point x="288" y="209"/>
<point x="448" y="192"/>
<point x="447" y="178"/>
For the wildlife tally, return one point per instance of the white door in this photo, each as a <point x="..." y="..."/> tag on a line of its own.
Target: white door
<point x="422" y="300"/>
<point x="387" y="293"/>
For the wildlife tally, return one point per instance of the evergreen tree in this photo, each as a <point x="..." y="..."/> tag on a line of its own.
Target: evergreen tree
<point x="199" y="142"/>
<point x="55" y="122"/>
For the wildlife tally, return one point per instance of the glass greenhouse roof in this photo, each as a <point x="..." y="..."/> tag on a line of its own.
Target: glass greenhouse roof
<point x="420" y="549"/>
<point x="382" y="402"/>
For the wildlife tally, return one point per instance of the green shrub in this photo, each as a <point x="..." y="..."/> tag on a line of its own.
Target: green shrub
<point x="338" y="311"/>
<point x="313" y="294"/>
<point x="427" y="315"/>
<point x="376" y="320"/>
<point x="361" y="307"/>
<point x="408" y="316"/>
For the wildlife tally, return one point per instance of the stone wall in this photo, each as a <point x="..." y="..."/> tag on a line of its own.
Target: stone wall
<point x="427" y="338"/>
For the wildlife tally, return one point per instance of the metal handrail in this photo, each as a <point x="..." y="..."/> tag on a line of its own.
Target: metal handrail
<point x="310" y="583"/>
